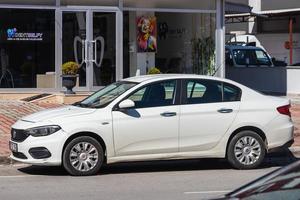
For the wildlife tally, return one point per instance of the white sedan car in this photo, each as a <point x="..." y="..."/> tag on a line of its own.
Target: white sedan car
<point x="156" y="117"/>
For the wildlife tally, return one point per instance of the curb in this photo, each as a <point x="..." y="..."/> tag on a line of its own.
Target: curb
<point x="295" y="150"/>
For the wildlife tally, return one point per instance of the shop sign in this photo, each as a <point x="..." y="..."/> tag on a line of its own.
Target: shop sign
<point x="14" y="34"/>
<point x="164" y="31"/>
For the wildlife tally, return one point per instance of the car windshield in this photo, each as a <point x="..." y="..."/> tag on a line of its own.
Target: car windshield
<point x="106" y="95"/>
<point x="284" y="183"/>
<point x="251" y="57"/>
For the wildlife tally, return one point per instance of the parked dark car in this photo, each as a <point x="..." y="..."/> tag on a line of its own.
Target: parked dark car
<point x="282" y="184"/>
<point x="246" y="56"/>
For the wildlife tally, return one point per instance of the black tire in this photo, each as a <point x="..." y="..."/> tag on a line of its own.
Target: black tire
<point x="256" y="159"/>
<point x="67" y="162"/>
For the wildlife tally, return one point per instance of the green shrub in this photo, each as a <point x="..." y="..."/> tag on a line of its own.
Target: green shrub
<point x="154" y="70"/>
<point x="70" y="68"/>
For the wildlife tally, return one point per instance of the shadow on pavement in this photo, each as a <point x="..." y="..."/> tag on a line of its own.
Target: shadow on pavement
<point x="272" y="160"/>
<point x="44" y="170"/>
<point x="279" y="159"/>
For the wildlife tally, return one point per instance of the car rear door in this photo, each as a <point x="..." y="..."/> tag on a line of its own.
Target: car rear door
<point x="208" y="109"/>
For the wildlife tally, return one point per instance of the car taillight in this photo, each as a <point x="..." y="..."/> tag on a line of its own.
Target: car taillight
<point x="285" y="110"/>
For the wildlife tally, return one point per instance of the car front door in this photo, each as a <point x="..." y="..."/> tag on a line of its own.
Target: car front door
<point x="151" y="127"/>
<point x="207" y="111"/>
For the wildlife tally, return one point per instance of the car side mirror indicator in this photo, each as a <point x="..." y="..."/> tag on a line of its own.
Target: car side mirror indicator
<point x="126" y="104"/>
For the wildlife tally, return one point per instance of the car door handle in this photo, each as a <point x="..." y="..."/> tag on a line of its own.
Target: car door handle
<point x="225" y="110"/>
<point x="168" y="114"/>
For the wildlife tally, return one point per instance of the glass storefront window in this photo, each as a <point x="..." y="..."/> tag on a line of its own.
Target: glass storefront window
<point x="185" y="43"/>
<point x="27" y="48"/>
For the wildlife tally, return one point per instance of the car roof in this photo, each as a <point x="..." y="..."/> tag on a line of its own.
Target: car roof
<point x="143" y="78"/>
<point x="242" y="47"/>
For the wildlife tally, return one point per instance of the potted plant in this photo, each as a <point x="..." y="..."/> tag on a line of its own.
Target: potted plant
<point x="69" y="76"/>
<point x="154" y="70"/>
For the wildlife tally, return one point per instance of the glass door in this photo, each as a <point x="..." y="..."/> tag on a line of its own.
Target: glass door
<point x="89" y="39"/>
<point x="74" y="43"/>
<point x="104" y="48"/>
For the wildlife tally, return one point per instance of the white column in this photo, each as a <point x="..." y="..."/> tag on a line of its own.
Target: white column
<point x="220" y="38"/>
<point x="89" y="37"/>
<point x="119" y="42"/>
<point x="58" y="48"/>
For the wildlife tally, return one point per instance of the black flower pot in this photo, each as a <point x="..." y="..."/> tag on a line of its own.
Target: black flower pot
<point x="69" y="81"/>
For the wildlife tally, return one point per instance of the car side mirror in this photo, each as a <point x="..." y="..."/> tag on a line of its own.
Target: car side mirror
<point x="126" y="104"/>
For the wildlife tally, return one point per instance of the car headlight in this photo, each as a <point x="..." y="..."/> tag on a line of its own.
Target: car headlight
<point x="42" y="130"/>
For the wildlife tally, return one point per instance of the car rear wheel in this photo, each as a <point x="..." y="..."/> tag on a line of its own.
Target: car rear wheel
<point x="246" y="150"/>
<point x="83" y="156"/>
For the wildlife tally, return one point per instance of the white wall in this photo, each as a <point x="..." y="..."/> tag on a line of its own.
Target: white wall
<point x="274" y="44"/>
<point x="271" y="4"/>
<point x="279" y="4"/>
<point x="293" y="81"/>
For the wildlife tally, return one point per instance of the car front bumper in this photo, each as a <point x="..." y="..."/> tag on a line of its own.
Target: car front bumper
<point x="52" y="143"/>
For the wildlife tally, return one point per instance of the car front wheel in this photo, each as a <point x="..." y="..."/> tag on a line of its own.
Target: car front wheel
<point x="83" y="156"/>
<point x="246" y="150"/>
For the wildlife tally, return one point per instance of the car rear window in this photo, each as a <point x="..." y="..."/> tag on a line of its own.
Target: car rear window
<point x="231" y="93"/>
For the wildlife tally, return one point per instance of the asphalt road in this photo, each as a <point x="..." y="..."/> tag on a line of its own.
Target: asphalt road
<point x="187" y="179"/>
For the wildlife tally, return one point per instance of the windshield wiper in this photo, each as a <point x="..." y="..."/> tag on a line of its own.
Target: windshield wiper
<point x="83" y="105"/>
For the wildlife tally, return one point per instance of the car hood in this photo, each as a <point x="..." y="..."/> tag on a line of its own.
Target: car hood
<point x="57" y="114"/>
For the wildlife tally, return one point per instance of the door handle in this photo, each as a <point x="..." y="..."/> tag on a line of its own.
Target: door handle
<point x="78" y="40"/>
<point x="102" y="42"/>
<point x="225" y="110"/>
<point x="168" y="114"/>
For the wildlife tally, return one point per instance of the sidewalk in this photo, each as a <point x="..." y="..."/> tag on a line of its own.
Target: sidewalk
<point x="11" y="111"/>
<point x="295" y="110"/>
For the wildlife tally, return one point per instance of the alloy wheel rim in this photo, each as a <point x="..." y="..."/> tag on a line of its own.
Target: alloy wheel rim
<point x="83" y="156"/>
<point x="247" y="150"/>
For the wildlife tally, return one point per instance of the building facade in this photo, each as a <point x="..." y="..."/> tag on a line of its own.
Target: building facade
<point x="276" y="23"/>
<point x="109" y="39"/>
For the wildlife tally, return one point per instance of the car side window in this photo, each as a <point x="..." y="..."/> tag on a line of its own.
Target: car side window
<point x="154" y="95"/>
<point x="231" y="93"/>
<point x="210" y="91"/>
<point x="203" y="91"/>
<point x="262" y="58"/>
